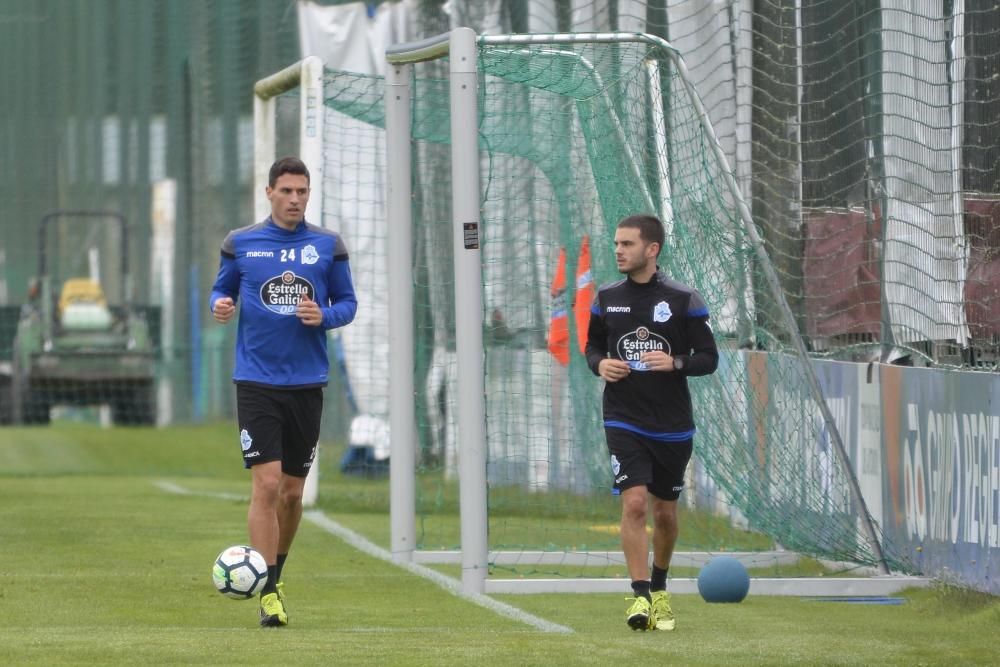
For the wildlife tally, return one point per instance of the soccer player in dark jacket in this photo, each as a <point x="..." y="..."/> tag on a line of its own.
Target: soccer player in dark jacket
<point x="647" y="335"/>
<point x="293" y="282"/>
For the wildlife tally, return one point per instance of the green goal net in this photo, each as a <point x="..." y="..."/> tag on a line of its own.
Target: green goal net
<point x="572" y="137"/>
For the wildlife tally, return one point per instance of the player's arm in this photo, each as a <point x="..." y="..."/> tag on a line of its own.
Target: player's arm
<point x="343" y="303"/>
<point x="225" y="291"/>
<point x="611" y="370"/>
<point x="703" y="357"/>
<point x="596" y="348"/>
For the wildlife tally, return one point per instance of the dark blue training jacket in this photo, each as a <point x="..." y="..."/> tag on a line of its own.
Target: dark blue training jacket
<point x="628" y="318"/>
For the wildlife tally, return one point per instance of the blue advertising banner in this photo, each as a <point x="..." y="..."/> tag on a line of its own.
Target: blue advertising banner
<point x="941" y="436"/>
<point x="923" y="444"/>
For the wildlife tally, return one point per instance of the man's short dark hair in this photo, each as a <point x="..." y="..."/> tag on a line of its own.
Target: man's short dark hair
<point x="287" y="165"/>
<point x="649" y="226"/>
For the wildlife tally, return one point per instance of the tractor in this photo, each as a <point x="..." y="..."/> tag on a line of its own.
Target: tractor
<point x="78" y="341"/>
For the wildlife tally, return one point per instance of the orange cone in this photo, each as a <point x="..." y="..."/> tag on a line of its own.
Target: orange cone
<point x="559" y="319"/>
<point x="584" y="297"/>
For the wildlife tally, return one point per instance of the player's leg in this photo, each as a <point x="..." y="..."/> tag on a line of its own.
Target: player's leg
<point x="289" y="510"/>
<point x="303" y="414"/>
<point x="289" y="516"/>
<point x="264" y="528"/>
<point x="665" y="531"/>
<point x="632" y="470"/>
<point x="262" y="515"/>
<point x="670" y="460"/>
<point x="260" y="420"/>
<point x="635" y="543"/>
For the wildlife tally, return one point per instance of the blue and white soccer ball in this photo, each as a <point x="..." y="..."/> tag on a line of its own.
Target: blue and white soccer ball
<point x="239" y="572"/>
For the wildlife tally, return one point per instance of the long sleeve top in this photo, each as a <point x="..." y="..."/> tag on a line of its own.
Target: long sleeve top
<point x="267" y="269"/>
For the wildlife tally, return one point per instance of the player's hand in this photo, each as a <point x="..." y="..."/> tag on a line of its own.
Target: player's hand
<point x="613" y="370"/>
<point x="657" y="360"/>
<point x="223" y="309"/>
<point x="308" y="312"/>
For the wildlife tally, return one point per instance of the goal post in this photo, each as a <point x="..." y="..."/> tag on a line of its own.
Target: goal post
<point x="306" y="76"/>
<point x="713" y="237"/>
<point x="460" y="45"/>
<point x="399" y="253"/>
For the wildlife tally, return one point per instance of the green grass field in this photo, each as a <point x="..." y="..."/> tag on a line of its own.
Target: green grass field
<point x="99" y="565"/>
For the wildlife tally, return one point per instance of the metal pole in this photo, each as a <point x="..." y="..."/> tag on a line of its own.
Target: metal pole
<point x="311" y="152"/>
<point x="263" y="152"/>
<point x="311" y="133"/>
<point x="402" y="417"/>
<point x="468" y="307"/>
<point x="307" y="75"/>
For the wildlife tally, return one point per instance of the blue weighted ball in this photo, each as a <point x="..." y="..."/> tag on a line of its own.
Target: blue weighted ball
<point x="723" y="579"/>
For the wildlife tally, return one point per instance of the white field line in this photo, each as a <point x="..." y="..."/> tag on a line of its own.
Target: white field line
<point x="453" y="586"/>
<point x="170" y="487"/>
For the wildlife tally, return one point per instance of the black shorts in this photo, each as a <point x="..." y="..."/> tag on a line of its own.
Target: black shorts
<point x="659" y="465"/>
<point x="279" y="425"/>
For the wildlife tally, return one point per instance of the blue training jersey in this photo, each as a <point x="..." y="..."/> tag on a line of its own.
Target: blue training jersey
<point x="266" y="269"/>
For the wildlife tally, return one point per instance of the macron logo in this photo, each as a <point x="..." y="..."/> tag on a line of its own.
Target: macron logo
<point x="618" y="309"/>
<point x="260" y="253"/>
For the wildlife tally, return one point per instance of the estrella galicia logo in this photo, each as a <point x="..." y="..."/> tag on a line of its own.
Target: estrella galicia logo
<point x="661" y="312"/>
<point x="281" y="293"/>
<point x="245" y="440"/>
<point x="309" y="255"/>
<point x="632" y="345"/>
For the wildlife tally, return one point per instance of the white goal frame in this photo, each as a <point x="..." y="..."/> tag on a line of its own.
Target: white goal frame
<point x="460" y="45"/>
<point x="307" y="76"/>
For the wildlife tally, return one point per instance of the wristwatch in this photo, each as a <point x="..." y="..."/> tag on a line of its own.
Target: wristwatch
<point x="678" y="363"/>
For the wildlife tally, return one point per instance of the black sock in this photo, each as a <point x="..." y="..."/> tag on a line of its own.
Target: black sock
<point x="641" y="588"/>
<point x="272" y="580"/>
<point x="281" y="564"/>
<point x="658" y="582"/>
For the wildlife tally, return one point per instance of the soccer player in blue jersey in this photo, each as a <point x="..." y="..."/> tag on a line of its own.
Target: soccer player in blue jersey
<point x="293" y="282"/>
<point x="647" y="335"/>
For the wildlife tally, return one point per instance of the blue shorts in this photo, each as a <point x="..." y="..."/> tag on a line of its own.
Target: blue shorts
<point x="279" y="425"/>
<point x="639" y="460"/>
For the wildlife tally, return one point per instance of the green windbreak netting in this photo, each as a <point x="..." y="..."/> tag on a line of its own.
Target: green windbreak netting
<point x="572" y="138"/>
<point x="141" y="110"/>
<point x="864" y="137"/>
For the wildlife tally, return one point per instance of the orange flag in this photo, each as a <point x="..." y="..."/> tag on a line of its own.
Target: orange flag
<point x="559" y="319"/>
<point x="584" y="294"/>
